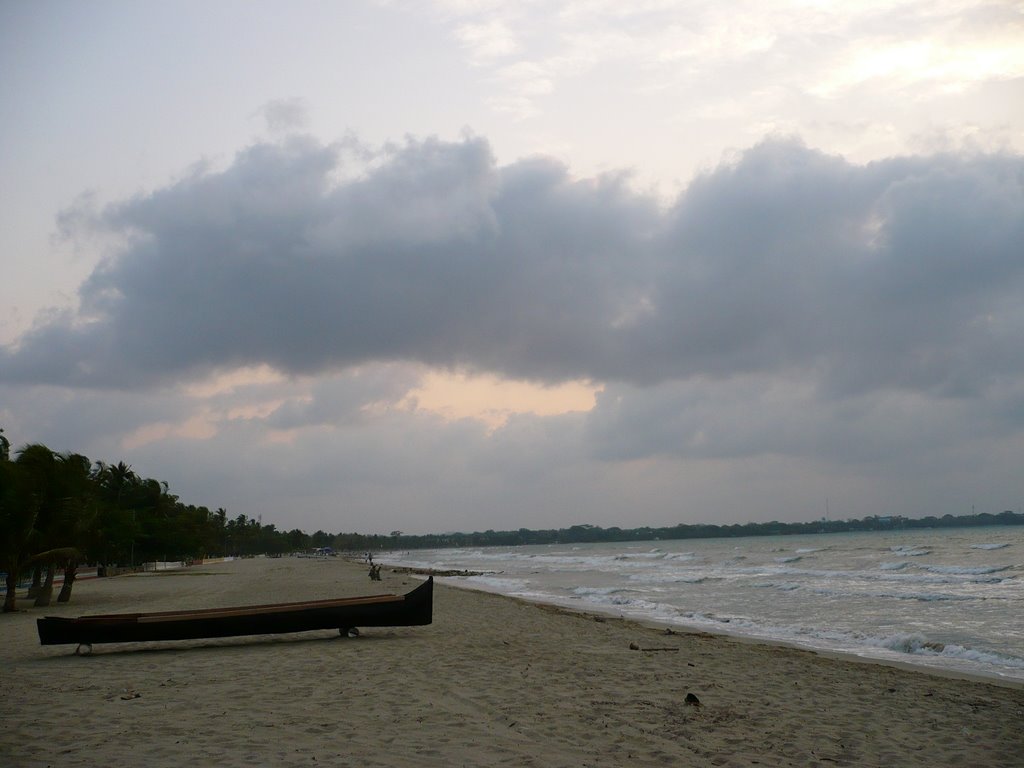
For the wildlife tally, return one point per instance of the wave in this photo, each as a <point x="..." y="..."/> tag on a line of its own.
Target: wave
<point x="893" y="574"/>
<point x="989" y="546"/>
<point x="791" y="559"/>
<point x="961" y="570"/>
<point x="681" y="556"/>
<point x="583" y="591"/>
<point x="734" y="559"/>
<point x="617" y="598"/>
<point x="909" y="551"/>
<point x="669" y="578"/>
<point x="782" y="586"/>
<point x="918" y="644"/>
<point x="654" y="554"/>
<point x="910" y="644"/>
<point x="925" y="597"/>
<point x="893" y="566"/>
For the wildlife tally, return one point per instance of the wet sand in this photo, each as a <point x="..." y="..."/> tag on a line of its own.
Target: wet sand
<point x="493" y="681"/>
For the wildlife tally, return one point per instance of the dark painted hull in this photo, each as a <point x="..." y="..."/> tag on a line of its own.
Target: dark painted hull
<point x="412" y="609"/>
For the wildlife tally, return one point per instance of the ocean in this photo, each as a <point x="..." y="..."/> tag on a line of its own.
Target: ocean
<point x="949" y="599"/>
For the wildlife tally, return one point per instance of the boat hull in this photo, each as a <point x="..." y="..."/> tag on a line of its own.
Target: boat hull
<point x="412" y="609"/>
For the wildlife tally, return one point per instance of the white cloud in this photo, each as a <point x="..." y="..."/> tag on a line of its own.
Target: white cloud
<point x="489" y="40"/>
<point x="903" y="65"/>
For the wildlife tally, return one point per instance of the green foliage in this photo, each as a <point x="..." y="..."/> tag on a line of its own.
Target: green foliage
<point x="19" y="509"/>
<point x="592" y="533"/>
<point x="55" y="504"/>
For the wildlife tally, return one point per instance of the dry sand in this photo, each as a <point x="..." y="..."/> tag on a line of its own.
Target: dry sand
<point x="492" y="682"/>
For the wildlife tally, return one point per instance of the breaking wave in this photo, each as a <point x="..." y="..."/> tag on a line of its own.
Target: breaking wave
<point x="919" y="644"/>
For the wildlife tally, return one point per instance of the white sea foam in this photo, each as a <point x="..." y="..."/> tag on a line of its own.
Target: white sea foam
<point x="907" y="643"/>
<point x="990" y="546"/>
<point x="496" y="584"/>
<point x="635" y="606"/>
<point x="582" y="591"/>
<point x="985" y="657"/>
<point x="918" y="644"/>
<point x="680" y="556"/>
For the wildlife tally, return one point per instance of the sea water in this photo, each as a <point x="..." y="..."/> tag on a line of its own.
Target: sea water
<point x="951" y="599"/>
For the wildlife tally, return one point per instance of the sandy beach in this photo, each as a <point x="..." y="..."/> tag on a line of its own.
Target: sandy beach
<point x="493" y="681"/>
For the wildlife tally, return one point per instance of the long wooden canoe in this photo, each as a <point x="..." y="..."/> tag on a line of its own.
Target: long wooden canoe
<point x="414" y="608"/>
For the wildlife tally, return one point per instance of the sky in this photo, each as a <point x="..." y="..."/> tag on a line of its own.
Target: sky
<point x="466" y="265"/>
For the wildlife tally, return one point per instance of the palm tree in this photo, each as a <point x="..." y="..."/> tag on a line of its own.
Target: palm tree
<point x="62" y="486"/>
<point x="18" y="510"/>
<point x="40" y="470"/>
<point x="78" y="515"/>
<point x="42" y="500"/>
<point x="117" y="526"/>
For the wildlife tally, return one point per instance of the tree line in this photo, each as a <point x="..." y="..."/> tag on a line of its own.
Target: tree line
<point x="581" y="534"/>
<point x="60" y="510"/>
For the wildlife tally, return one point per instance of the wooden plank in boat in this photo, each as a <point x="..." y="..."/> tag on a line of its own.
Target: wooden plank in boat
<point x="265" y="607"/>
<point x="216" y="613"/>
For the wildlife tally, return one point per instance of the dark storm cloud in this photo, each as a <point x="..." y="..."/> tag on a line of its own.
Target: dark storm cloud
<point x="904" y="273"/>
<point x="901" y="273"/>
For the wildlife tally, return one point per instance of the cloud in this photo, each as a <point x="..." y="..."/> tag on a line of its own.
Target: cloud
<point x="900" y="273"/>
<point x="284" y="116"/>
<point x="757" y="416"/>
<point x="904" y="273"/>
<point x="953" y="47"/>
<point x="488" y="40"/>
<point x="950" y="46"/>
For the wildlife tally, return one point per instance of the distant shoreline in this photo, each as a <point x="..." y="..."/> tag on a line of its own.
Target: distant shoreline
<point x="594" y="534"/>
